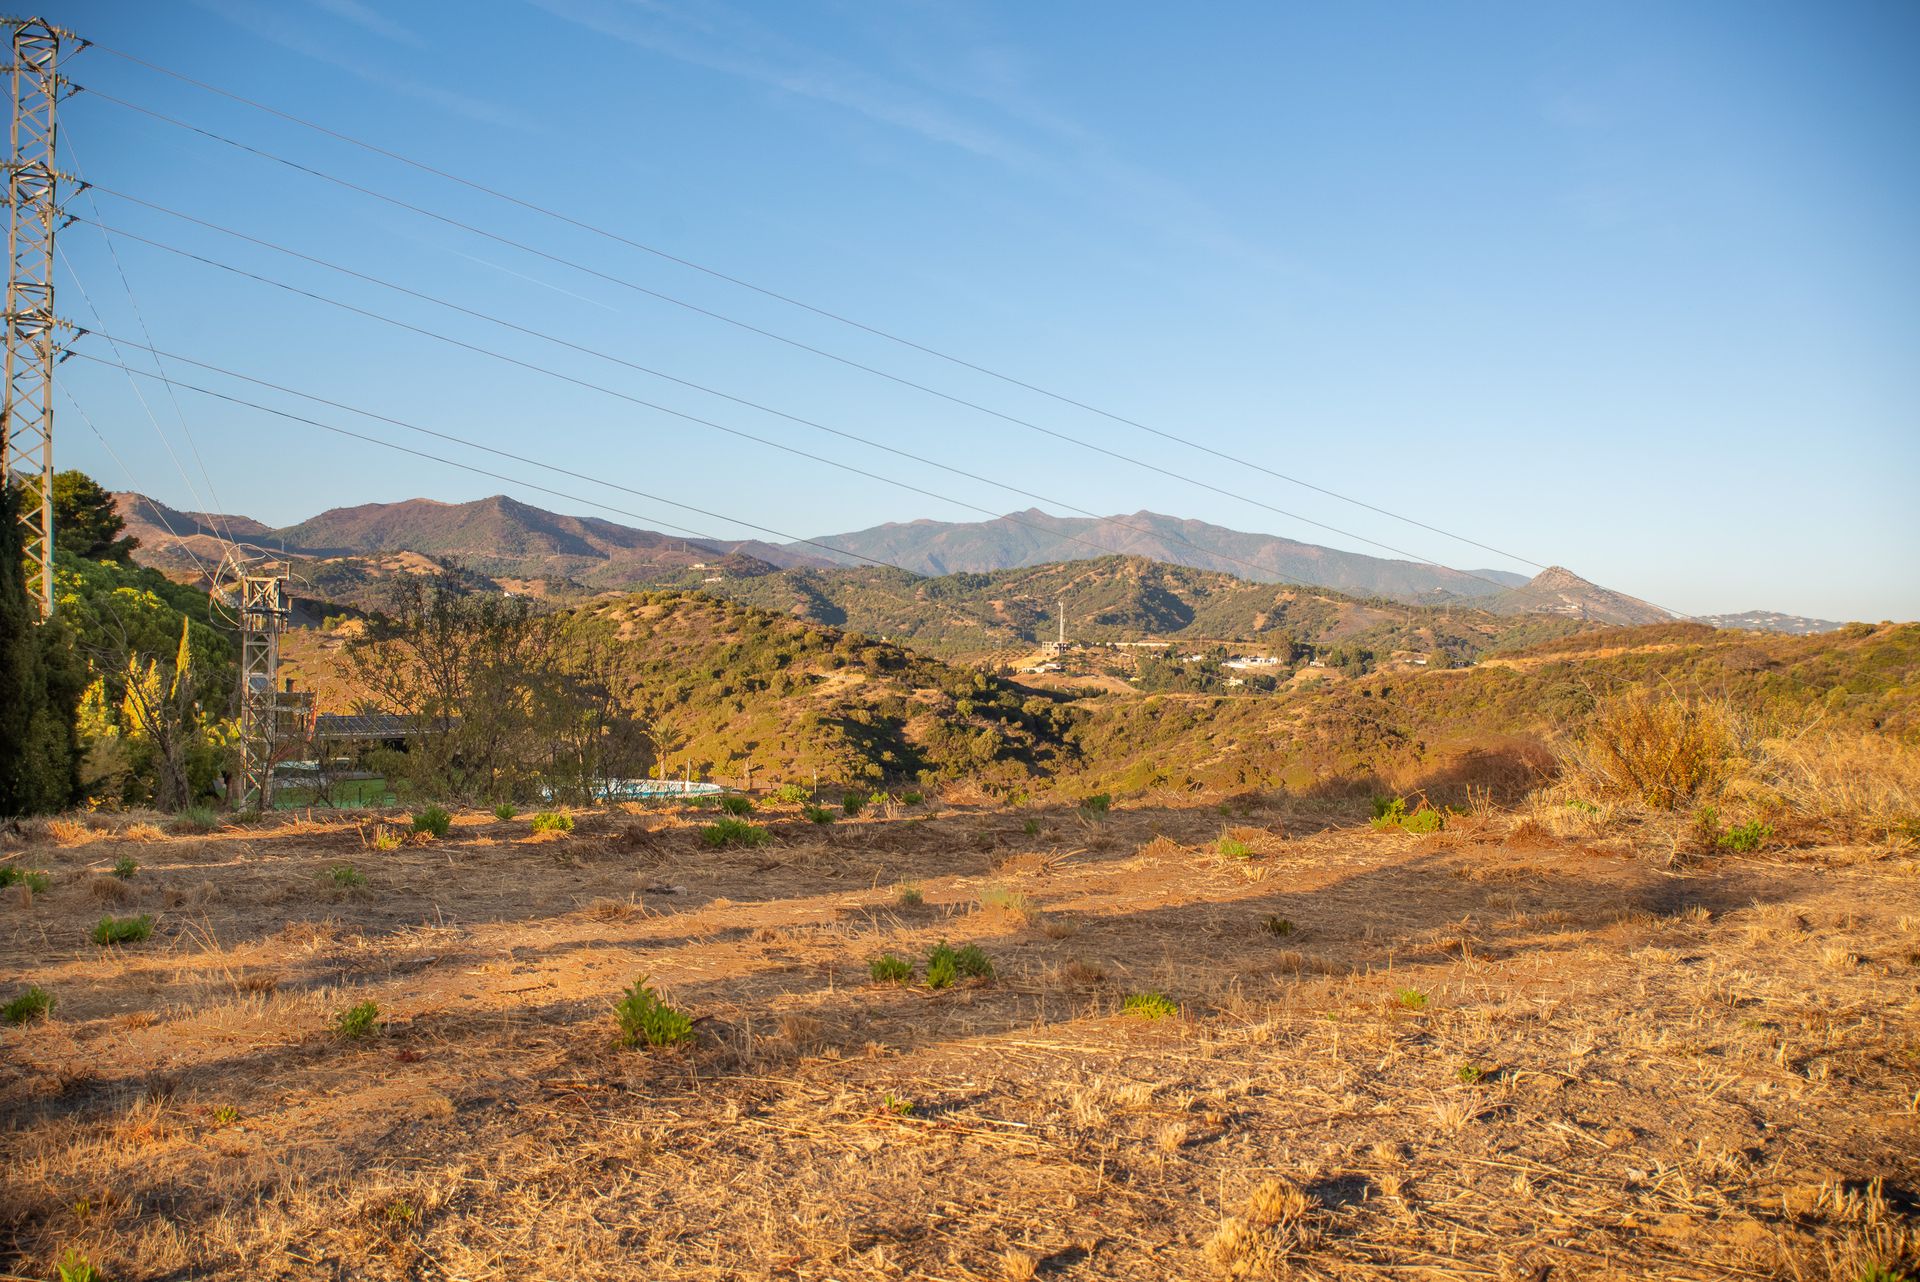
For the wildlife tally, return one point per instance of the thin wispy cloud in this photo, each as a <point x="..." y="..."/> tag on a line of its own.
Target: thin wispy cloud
<point x="378" y="23"/>
<point x="273" y="25"/>
<point x="1022" y="133"/>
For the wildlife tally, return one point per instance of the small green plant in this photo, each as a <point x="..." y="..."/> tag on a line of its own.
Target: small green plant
<point x="1150" y="1005"/>
<point x="552" y="821"/>
<point x="385" y="838"/>
<point x="888" y="969"/>
<point x="1745" y="838"/>
<point x="196" y="819"/>
<point x="225" y="1115"/>
<point x="1391" y="812"/>
<point x="645" y="1018"/>
<point x="898" y="1105"/>
<point x="37" y="882"/>
<point x="1473" y="1074"/>
<point x="346" y="877"/>
<point x="1098" y="804"/>
<point x="1279" y="926"/>
<point x="1005" y="899"/>
<point x="790" y="794"/>
<point x="735" y="804"/>
<point x="504" y="811"/>
<point x="1410" y="999"/>
<point x="1030" y="826"/>
<point x="734" y="832"/>
<point x="946" y="965"/>
<point x="911" y="798"/>
<point x="1234" y="848"/>
<point x="400" y="1213"/>
<point x="1427" y="820"/>
<point x="434" y="820"/>
<point x="357" y="1022"/>
<point x="73" y="1267"/>
<point x="1885" y="1273"/>
<point x="817" y="814"/>
<point x="125" y="866"/>
<point x="33" y="1003"/>
<point x="122" y="930"/>
<point x="853" y="803"/>
<point x="909" y="896"/>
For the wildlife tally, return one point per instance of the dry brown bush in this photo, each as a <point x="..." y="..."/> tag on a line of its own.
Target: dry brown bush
<point x="1853" y="785"/>
<point x="1655" y="748"/>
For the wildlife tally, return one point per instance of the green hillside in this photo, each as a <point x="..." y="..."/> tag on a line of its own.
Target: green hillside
<point x="1118" y="599"/>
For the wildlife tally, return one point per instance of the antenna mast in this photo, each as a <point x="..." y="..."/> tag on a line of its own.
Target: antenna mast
<point x="33" y="198"/>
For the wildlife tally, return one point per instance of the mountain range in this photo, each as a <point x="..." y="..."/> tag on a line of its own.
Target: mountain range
<point x="525" y="548"/>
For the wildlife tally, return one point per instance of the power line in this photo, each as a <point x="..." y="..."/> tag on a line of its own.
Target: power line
<point x="867" y="441"/>
<point x="158" y="510"/>
<point x="139" y="395"/>
<point x="498" y="476"/>
<point x="626" y="396"/>
<point x="789" y="300"/>
<point x="975" y="406"/>
<point x="223" y="529"/>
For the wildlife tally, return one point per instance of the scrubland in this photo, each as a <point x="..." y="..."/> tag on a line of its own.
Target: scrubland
<point x="1257" y="1035"/>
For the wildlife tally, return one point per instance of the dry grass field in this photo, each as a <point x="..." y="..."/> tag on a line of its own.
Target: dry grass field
<point x="1530" y="1046"/>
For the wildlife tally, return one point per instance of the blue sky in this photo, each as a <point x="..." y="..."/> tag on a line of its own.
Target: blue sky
<point x="1633" y="288"/>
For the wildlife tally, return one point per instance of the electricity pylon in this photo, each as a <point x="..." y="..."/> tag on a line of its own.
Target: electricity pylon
<point x="33" y="199"/>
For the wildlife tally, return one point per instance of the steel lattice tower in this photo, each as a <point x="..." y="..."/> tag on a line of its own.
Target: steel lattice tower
<point x="266" y="604"/>
<point x="26" y="409"/>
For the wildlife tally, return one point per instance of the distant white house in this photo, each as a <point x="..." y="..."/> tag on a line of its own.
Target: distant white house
<point x="1253" y="661"/>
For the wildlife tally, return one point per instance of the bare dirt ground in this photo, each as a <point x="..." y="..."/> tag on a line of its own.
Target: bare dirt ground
<point x="1472" y="1055"/>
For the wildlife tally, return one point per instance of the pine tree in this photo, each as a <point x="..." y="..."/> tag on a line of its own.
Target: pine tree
<point x="41" y="681"/>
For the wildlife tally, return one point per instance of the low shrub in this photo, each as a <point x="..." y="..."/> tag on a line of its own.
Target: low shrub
<point x="1744" y="838"/>
<point x="125" y="866"/>
<point x="346" y="877"/>
<point x="122" y="930"/>
<point x="646" y="1019"/>
<point x="357" y="1022"/>
<point x="1234" y="848"/>
<point x="1150" y="1005"/>
<point x="33" y="1003"/>
<point x="195" y="819"/>
<point x="37" y="882"/>
<point x="552" y="821"/>
<point x="734" y="832"/>
<point x="1655" y="748"/>
<point x="888" y="969"/>
<point x="911" y="798"/>
<point x="790" y="794"/>
<point x="1410" y="999"/>
<point x="817" y="814"/>
<point x="504" y="811"/>
<point x="1279" y="926"/>
<point x="74" y="1267"/>
<point x="909" y="896"/>
<point x="946" y="965"/>
<point x="853" y="803"/>
<point x="385" y="838"/>
<point x="1426" y="820"/>
<point x="737" y="805"/>
<point x="434" y="820"/>
<point x="1097" y="804"/>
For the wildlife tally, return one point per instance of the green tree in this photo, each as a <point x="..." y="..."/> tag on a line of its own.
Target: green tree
<point x="85" y="522"/>
<point x="41" y="681"/>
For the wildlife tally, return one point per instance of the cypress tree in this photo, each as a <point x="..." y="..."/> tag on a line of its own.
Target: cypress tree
<point x="41" y="681"/>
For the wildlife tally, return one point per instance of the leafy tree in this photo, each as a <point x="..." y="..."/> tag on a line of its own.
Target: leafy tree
<point x="41" y="681"/>
<point x="85" y="522"/>
<point x="499" y="700"/>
